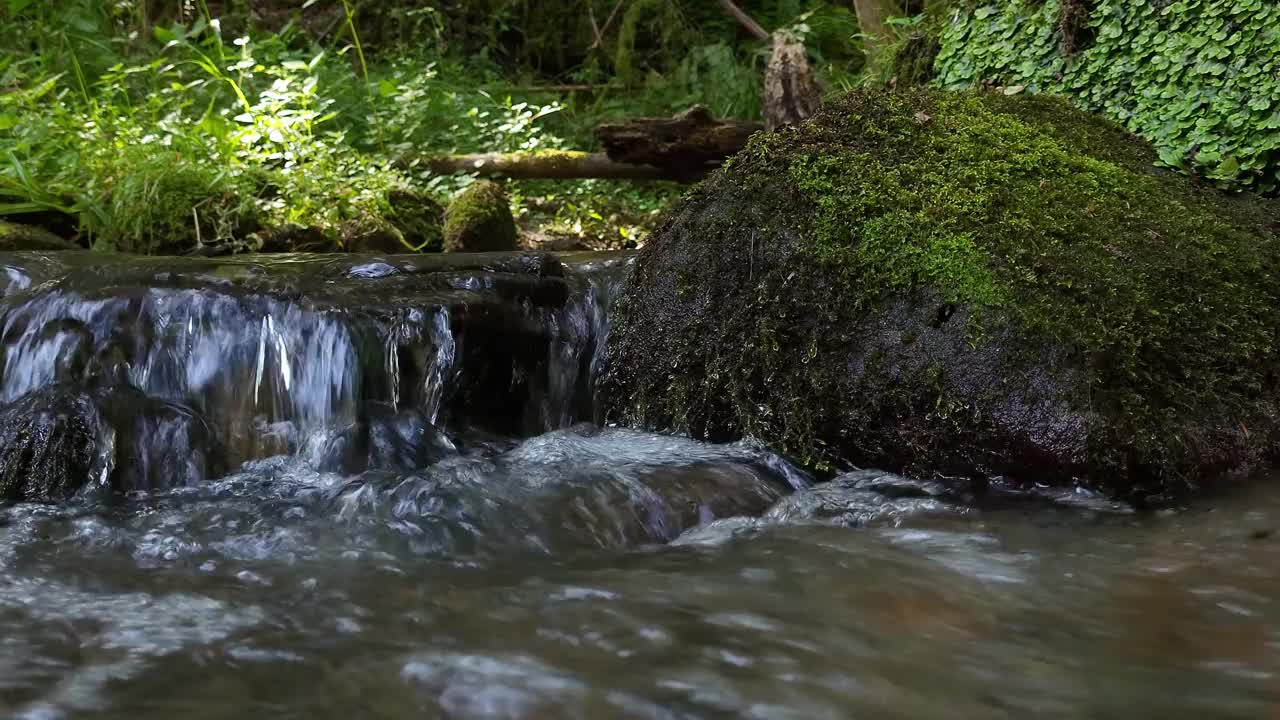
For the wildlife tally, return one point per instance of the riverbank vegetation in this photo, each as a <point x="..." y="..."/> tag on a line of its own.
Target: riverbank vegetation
<point x="215" y="127"/>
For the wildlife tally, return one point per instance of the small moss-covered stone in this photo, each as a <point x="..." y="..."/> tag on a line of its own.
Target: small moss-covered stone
<point x="963" y="285"/>
<point x="419" y="219"/>
<point x="413" y="223"/>
<point x="24" y="237"/>
<point x="480" y="220"/>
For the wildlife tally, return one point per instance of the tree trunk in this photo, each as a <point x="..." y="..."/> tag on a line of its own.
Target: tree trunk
<point x="873" y="16"/>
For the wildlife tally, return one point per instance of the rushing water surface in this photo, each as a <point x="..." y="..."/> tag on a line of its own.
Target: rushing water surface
<point x="398" y="511"/>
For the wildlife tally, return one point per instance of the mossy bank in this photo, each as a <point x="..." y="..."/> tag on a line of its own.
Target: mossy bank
<point x="961" y="285"/>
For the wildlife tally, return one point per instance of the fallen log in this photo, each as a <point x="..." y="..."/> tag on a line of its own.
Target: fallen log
<point x="546" y="164"/>
<point x="683" y="148"/>
<point x="687" y="146"/>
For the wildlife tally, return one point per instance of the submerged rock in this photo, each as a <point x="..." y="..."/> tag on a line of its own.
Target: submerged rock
<point x="864" y="498"/>
<point x="878" y="499"/>
<point x="480" y="220"/>
<point x="581" y="487"/>
<point x="961" y="285"/>
<point x="385" y="438"/>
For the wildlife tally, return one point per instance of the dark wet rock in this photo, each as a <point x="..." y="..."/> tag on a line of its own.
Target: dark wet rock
<point x="404" y="440"/>
<point x="480" y="220"/>
<point x="48" y="445"/>
<point x="158" y="444"/>
<point x="60" y="438"/>
<point x="15" y="237"/>
<point x="961" y="286"/>
<point x="387" y="439"/>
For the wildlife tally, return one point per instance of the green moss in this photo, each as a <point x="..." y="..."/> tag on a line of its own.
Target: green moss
<point x="480" y="220"/>
<point x="1054" y="227"/>
<point x="1078" y="273"/>
<point x="158" y="201"/>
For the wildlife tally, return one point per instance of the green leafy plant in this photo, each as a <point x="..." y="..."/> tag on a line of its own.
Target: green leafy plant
<point x="1200" y="79"/>
<point x="196" y="141"/>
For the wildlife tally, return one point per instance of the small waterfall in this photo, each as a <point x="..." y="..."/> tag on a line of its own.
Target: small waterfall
<point x="299" y="354"/>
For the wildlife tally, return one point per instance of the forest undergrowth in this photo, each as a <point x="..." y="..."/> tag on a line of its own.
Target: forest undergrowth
<point x="205" y="127"/>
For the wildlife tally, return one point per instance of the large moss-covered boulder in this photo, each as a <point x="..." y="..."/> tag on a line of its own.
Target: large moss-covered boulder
<point x="961" y="285"/>
<point x="480" y="220"/>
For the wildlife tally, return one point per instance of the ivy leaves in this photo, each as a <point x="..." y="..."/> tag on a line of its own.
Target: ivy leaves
<point x="1200" y="79"/>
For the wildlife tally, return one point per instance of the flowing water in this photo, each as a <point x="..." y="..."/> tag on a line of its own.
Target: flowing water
<point x="335" y="487"/>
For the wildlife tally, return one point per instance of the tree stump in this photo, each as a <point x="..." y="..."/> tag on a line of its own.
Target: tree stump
<point x="790" y="94"/>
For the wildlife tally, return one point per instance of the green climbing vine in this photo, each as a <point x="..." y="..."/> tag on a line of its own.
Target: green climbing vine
<point x="1200" y="79"/>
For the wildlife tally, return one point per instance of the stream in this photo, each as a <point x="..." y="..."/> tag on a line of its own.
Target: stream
<point x="378" y="487"/>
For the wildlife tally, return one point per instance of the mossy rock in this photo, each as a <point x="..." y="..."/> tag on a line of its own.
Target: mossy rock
<point x="961" y="285"/>
<point x="24" y="237"/>
<point x="413" y="223"/>
<point x="480" y="220"/>
<point x="419" y="219"/>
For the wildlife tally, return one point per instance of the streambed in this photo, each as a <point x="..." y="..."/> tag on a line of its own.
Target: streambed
<point x="401" y="511"/>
